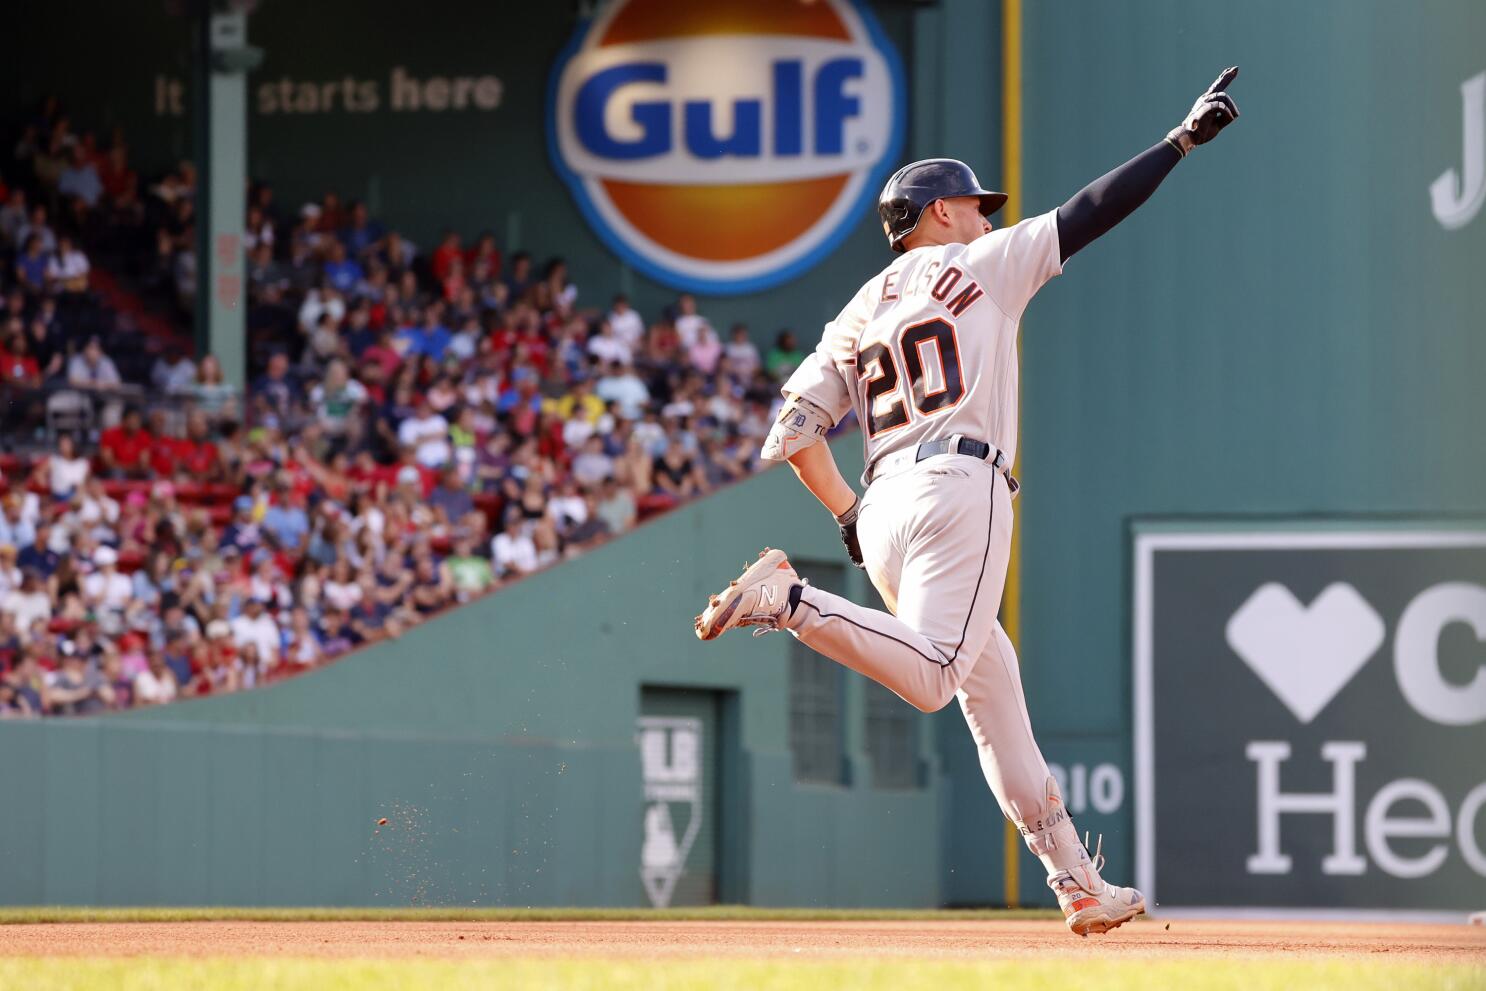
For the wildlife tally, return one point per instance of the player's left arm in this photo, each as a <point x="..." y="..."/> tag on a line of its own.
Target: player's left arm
<point x="1106" y="201"/>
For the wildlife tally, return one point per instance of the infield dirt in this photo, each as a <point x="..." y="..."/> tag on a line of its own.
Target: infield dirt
<point x="940" y="940"/>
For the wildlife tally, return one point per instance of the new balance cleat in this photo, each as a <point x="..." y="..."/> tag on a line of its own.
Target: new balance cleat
<point x="758" y="597"/>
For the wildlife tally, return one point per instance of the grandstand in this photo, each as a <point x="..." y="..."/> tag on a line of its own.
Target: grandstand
<point x="420" y="426"/>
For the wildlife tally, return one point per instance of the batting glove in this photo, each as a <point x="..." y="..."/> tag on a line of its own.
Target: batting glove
<point x="1213" y="111"/>
<point x="847" y="521"/>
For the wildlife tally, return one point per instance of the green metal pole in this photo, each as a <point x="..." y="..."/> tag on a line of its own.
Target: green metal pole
<point x="222" y="163"/>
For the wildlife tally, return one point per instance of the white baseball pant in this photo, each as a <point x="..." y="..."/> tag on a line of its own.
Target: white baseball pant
<point x="936" y="539"/>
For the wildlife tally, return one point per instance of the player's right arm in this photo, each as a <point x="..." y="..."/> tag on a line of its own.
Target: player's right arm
<point x="816" y="397"/>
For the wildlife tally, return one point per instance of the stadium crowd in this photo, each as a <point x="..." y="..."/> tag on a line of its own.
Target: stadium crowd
<point x="420" y="426"/>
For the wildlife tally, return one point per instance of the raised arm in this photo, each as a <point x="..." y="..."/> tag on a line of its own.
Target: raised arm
<point x="1103" y="203"/>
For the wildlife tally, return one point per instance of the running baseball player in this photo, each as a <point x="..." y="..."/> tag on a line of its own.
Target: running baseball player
<point x="925" y="353"/>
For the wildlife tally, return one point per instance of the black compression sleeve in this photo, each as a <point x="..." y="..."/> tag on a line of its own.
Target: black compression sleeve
<point x="1106" y="201"/>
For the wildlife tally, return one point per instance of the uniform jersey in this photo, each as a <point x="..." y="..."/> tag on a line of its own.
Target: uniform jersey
<point x="927" y="348"/>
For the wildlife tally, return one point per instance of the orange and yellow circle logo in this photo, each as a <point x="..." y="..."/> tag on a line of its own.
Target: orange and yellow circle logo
<point x="726" y="146"/>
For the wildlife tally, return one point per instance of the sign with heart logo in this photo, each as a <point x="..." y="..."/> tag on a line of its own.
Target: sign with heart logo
<point x="1305" y="654"/>
<point x="1310" y="718"/>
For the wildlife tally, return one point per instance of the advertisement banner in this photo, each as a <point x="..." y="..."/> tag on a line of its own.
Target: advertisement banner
<point x="1310" y="719"/>
<point x="726" y="147"/>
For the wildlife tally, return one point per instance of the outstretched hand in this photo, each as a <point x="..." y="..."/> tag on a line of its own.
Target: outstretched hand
<point x="1213" y="111"/>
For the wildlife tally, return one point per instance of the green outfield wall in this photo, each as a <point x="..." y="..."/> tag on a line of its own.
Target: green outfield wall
<point x="498" y="741"/>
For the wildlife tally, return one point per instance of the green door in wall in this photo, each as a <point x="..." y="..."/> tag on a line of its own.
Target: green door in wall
<point x="678" y="734"/>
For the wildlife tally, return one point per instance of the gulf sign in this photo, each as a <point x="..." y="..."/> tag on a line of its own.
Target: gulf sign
<point x="725" y="146"/>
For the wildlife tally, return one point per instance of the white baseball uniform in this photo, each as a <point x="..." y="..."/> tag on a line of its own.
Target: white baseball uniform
<point x="927" y="351"/>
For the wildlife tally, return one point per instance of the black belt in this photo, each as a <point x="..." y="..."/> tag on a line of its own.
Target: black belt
<point x="977" y="449"/>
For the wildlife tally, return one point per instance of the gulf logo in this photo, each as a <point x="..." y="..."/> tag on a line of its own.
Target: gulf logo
<point x="726" y="146"/>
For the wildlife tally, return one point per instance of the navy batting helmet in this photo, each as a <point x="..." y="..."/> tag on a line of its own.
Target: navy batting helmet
<point x="915" y="186"/>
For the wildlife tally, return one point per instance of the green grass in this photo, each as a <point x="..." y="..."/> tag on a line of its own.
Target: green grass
<point x="714" y="913"/>
<point x="729" y="975"/>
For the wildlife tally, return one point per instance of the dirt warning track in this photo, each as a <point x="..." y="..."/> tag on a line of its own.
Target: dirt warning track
<point x="948" y="940"/>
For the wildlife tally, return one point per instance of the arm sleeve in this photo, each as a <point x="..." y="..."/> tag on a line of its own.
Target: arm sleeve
<point x="1106" y="201"/>
<point x="1014" y="262"/>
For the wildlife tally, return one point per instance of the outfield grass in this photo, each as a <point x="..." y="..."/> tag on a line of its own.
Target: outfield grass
<point x="727" y="975"/>
<point x="711" y="913"/>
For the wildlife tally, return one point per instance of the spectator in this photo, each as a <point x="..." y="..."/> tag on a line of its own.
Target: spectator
<point x="31" y="266"/>
<point x="173" y="371"/>
<point x="342" y="271"/>
<point x="80" y="178"/>
<point x="451" y="500"/>
<point x="17" y="366"/>
<point x="430" y="339"/>
<point x="431" y="588"/>
<point x="64" y="472"/>
<point x="607" y="347"/>
<point x="512" y="553"/>
<point x="427" y="433"/>
<point x="107" y="588"/>
<point x="676" y="475"/>
<point x="13" y="217"/>
<point x="469" y="573"/>
<point x="124" y="448"/>
<point x="616" y="507"/>
<point x="36" y="226"/>
<point x="337" y="400"/>
<point x="90" y="368"/>
<point x="706" y="351"/>
<point x="627" y="325"/>
<point x="519" y="279"/>
<point x="255" y="627"/>
<point x="784" y="358"/>
<point x="155" y="685"/>
<point x="301" y="644"/>
<point x="688" y="322"/>
<point x="592" y="465"/>
<point x="78" y="688"/>
<point x="625" y="389"/>
<point x="285" y="521"/>
<point x="211" y="389"/>
<point x="67" y="268"/>
<point x="243" y="533"/>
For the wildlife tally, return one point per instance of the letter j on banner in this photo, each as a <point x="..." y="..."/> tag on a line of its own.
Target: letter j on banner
<point x="728" y="146"/>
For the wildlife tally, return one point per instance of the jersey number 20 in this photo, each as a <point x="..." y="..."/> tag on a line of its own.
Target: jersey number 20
<point x="912" y="343"/>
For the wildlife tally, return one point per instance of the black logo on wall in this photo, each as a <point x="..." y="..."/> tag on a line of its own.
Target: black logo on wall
<point x="1310" y="719"/>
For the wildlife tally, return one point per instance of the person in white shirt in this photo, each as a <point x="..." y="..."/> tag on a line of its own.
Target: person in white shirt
<point x="608" y="348"/>
<point x="67" y="269"/>
<point x="65" y="472"/>
<point x="317" y="303"/>
<point x="512" y="551"/>
<point x="427" y="433"/>
<point x="155" y="685"/>
<point x="107" y="587"/>
<point x="10" y="575"/>
<point x="628" y="325"/>
<point x="27" y="603"/>
<point x="688" y="322"/>
<point x="254" y="625"/>
<point x="567" y="509"/>
<point x="621" y="385"/>
<point x="740" y="357"/>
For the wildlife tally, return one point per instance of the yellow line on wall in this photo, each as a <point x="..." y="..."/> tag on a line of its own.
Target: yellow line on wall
<point x="1011" y="178"/>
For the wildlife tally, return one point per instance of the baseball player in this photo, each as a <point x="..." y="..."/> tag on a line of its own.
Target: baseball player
<point x="925" y="353"/>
